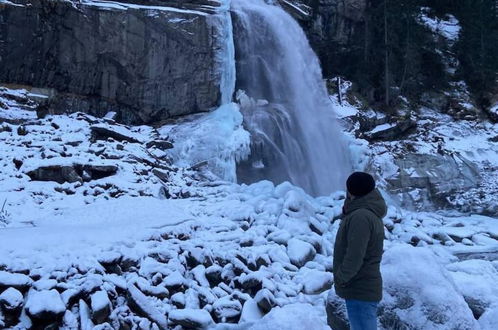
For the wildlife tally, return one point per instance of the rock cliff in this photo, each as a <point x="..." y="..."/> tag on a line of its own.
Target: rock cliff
<point x="141" y="59"/>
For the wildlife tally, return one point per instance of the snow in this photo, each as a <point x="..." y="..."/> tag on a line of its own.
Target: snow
<point x="11" y="298"/>
<point x="300" y="252"/>
<point x="382" y="127"/>
<point x="45" y="301"/>
<point x="449" y="27"/>
<point x="10" y="279"/>
<point x="292" y="317"/>
<point x="418" y="274"/>
<point x="68" y="240"/>
<point x="110" y="5"/>
<point x="100" y="300"/>
<point x="198" y="316"/>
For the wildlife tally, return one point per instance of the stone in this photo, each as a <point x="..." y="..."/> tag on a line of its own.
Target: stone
<point x="227" y="309"/>
<point x="101" y="306"/>
<point x="11" y="301"/>
<point x="300" y="252"/>
<point x="57" y="173"/>
<point x="316" y="282"/>
<point x="118" y="133"/>
<point x="123" y="58"/>
<point x="336" y="312"/>
<point x="17" y="281"/>
<point x="160" y="144"/>
<point x="435" y="177"/>
<point x="391" y="131"/>
<point x="191" y="318"/>
<point x="265" y="300"/>
<point x="213" y="275"/>
<point x="140" y="304"/>
<point x="45" y="307"/>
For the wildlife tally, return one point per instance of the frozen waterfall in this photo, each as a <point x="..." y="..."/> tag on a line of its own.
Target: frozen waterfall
<point x="294" y="133"/>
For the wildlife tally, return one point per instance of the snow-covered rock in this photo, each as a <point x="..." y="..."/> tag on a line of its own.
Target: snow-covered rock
<point x="300" y="252"/>
<point x="191" y="318"/>
<point x="45" y="306"/>
<point x="101" y="306"/>
<point x="292" y="317"/>
<point x="420" y="293"/>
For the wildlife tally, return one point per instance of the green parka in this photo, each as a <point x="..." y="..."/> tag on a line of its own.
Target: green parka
<point x="358" y="248"/>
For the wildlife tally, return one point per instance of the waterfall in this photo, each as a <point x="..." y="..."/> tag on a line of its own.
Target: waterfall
<point x="294" y="133"/>
<point x="226" y="53"/>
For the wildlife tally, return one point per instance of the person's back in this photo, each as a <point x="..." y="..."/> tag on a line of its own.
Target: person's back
<point x="358" y="251"/>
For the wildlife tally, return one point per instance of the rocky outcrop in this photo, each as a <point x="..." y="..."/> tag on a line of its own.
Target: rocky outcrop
<point x="424" y="178"/>
<point x="144" y="61"/>
<point x="331" y="25"/>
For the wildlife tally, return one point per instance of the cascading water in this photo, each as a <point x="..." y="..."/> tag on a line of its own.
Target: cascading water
<point x="294" y="134"/>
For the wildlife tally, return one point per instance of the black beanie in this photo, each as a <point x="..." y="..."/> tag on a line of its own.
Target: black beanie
<point x="360" y="183"/>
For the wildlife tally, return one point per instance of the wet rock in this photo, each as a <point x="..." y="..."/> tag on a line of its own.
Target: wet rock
<point x="191" y="318"/>
<point x="22" y="131"/>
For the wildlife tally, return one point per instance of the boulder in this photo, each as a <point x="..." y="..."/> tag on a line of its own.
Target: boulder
<point x="335" y="307"/>
<point x="227" y="309"/>
<point x="101" y="306"/>
<point x="435" y="177"/>
<point x="45" y="307"/>
<point x="300" y="252"/>
<point x="265" y="300"/>
<point x="20" y="282"/>
<point x="118" y="133"/>
<point x="140" y="304"/>
<point x="191" y="318"/>
<point x="144" y="60"/>
<point x="11" y="301"/>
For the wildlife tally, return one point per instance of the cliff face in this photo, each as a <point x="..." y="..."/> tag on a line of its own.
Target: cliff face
<point x="147" y="63"/>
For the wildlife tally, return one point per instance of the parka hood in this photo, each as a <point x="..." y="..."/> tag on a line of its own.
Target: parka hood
<point x="372" y="201"/>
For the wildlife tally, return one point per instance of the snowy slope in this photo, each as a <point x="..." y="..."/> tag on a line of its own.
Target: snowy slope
<point x="153" y="245"/>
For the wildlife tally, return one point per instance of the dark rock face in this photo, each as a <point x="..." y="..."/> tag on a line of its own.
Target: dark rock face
<point x="145" y="63"/>
<point x="331" y="26"/>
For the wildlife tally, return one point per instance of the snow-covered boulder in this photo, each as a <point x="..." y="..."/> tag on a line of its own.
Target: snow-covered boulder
<point x="191" y="318"/>
<point x="292" y="317"/>
<point x="18" y="281"/>
<point x="45" y="306"/>
<point x="101" y="306"/>
<point x="476" y="281"/>
<point x="419" y="292"/>
<point x="300" y="252"/>
<point x="143" y="306"/>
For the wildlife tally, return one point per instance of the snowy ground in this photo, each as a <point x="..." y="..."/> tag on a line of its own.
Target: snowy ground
<point x="153" y="245"/>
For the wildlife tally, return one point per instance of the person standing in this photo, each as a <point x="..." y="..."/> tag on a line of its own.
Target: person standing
<point x="358" y="251"/>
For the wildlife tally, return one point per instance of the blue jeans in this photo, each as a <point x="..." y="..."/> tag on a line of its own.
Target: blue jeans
<point x="362" y="314"/>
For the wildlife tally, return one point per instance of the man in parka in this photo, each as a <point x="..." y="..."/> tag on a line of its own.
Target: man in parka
<point x="358" y="251"/>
